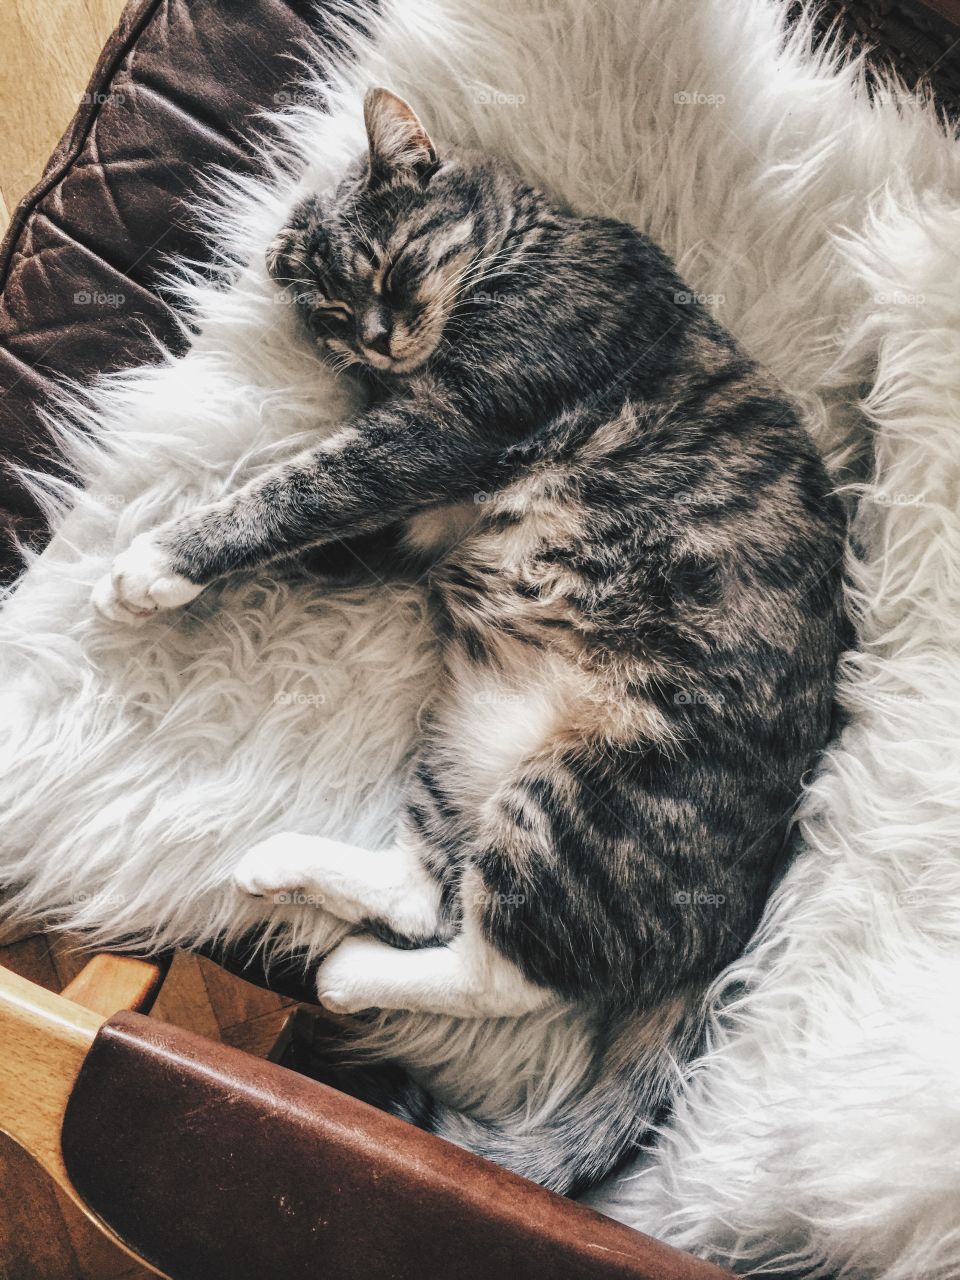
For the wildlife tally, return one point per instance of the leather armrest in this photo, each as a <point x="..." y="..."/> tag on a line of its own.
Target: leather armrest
<point x="214" y="1165"/>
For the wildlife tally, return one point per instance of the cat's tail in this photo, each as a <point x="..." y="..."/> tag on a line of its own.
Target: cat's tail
<point x="570" y="1144"/>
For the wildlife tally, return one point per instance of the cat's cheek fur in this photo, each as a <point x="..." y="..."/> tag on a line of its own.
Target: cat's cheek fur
<point x="142" y="581"/>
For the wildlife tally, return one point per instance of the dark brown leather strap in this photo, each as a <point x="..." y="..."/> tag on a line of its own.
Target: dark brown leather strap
<point x="214" y="1165"/>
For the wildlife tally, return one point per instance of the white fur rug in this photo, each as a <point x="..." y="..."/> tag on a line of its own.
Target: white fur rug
<point x="822" y="1129"/>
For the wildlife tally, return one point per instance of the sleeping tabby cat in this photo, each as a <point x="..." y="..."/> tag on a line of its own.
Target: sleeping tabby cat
<point x="636" y="573"/>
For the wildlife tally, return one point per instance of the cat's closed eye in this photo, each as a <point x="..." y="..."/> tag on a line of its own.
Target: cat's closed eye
<point x="336" y="310"/>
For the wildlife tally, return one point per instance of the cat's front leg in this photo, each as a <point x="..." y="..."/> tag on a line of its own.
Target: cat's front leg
<point x="398" y="458"/>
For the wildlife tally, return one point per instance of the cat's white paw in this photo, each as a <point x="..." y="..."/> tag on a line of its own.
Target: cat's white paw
<point x="140" y="582"/>
<point x="359" y="974"/>
<point x="279" y="867"/>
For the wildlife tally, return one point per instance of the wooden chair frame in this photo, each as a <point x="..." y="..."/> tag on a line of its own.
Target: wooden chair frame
<point x="406" y="1181"/>
<point x="46" y="1038"/>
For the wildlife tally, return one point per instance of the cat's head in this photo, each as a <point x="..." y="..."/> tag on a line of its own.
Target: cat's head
<point x="377" y="267"/>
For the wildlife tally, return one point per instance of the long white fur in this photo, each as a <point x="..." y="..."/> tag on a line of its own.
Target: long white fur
<point x="822" y="1125"/>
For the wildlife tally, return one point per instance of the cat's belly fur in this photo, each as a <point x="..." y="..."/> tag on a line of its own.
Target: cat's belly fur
<point x="516" y="693"/>
<point x="487" y="724"/>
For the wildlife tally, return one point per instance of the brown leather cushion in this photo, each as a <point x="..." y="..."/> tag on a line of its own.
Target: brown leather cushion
<point x="174" y="92"/>
<point x="214" y="1165"/>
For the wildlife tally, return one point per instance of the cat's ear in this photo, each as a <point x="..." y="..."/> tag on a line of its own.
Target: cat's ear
<point x="398" y="141"/>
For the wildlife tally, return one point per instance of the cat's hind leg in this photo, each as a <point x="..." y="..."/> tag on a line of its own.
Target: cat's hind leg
<point x="465" y="978"/>
<point x="391" y="887"/>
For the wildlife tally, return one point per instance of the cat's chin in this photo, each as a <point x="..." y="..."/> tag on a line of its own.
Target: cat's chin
<point x="393" y="365"/>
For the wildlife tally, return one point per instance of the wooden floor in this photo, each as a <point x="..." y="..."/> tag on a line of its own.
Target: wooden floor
<point x="48" y="49"/>
<point x="42" y="1235"/>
